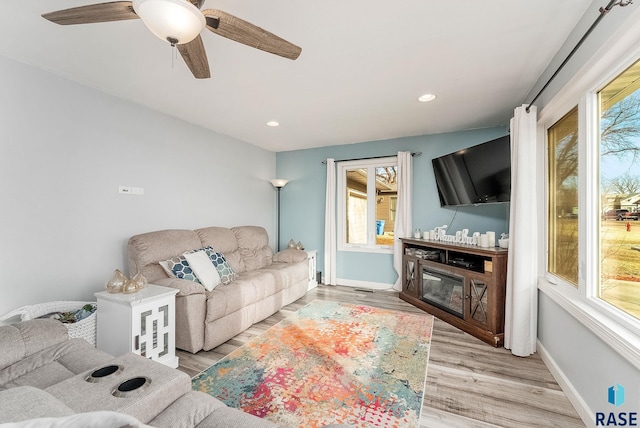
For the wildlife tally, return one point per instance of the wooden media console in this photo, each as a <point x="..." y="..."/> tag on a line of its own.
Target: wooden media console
<point x="463" y="285"/>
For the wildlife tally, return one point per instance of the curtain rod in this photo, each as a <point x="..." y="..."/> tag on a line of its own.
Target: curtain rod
<point x="372" y="157"/>
<point x="603" y="12"/>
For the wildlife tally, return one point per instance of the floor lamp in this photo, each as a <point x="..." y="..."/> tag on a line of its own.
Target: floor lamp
<point x="278" y="183"/>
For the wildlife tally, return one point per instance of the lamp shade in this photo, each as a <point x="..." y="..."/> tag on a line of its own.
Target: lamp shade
<point x="279" y="182"/>
<point x="177" y="21"/>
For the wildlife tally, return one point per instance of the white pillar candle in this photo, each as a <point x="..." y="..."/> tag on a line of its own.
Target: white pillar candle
<point x="492" y="238"/>
<point x="483" y="241"/>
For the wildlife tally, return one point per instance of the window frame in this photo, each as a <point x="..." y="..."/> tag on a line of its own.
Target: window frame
<point x="618" y="329"/>
<point x="343" y="167"/>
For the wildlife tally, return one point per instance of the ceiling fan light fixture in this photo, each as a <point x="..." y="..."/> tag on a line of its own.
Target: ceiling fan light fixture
<point x="176" y="21"/>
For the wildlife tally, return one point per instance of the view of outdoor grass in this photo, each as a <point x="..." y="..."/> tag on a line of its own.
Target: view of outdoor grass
<point x="620" y="268"/>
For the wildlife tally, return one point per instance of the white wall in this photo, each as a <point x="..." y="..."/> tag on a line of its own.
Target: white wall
<point x="65" y="149"/>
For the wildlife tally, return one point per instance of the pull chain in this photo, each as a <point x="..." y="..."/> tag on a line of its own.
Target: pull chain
<point x="173" y="41"/>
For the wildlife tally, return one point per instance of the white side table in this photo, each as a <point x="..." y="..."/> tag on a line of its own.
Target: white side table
<point x="141" y="322"/>
<point x="312" y="256"/>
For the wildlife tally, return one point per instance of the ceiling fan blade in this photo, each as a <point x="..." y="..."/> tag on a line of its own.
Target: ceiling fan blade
<point x="241" y="31"/>
<point x="195" y="56"/>
<point x="90" y="14"/>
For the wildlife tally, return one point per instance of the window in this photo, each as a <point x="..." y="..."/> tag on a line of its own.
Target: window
<point x="619" y="110"/>
<point x="563" y="197"/>
<point x="592" y="136"/>
<point x="366" y="202"/>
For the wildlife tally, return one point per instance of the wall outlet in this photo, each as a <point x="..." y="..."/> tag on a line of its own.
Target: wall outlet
<point x="124" y="190"/>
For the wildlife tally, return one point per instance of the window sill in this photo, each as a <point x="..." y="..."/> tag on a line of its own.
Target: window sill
<point x="365" y="249"/>
<point x="619" y="338"/>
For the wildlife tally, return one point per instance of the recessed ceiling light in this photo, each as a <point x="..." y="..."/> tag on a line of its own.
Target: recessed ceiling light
<point x="426" y="97"/>
<point x="273" y="123"/>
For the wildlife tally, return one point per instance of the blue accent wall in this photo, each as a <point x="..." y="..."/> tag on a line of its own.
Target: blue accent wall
<point x="303" y="198"/>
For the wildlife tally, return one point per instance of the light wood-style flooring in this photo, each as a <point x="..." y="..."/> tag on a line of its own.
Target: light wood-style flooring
<point x="470" y="384"/>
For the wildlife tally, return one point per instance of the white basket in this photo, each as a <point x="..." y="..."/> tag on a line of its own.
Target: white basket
<point x="84" y="329"/>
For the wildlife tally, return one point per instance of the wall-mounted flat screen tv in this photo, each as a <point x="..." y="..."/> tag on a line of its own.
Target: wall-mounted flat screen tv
<point x="477" y="175"/>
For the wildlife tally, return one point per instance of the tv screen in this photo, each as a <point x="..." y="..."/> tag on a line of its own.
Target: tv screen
<point x="477" y="175"/>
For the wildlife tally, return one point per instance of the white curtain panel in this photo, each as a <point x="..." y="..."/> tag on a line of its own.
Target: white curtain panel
<point x="404" y="223"/>
<point x="330" y="243"/>
<point x="521" y="312"/>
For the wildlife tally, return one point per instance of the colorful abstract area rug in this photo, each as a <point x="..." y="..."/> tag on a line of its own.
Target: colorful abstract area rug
<point x="329" y="363"/>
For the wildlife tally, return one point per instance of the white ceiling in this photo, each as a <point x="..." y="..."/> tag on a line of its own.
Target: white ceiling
<point x="362" y="67"/>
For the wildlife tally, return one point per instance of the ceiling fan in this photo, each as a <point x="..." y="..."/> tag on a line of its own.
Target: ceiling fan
<point x="180" y="22"/>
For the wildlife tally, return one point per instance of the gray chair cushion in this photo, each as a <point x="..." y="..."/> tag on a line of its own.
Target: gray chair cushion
<point x="27" y="402"/>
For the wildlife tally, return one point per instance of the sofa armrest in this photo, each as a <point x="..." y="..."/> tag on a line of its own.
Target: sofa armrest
<point x="185" y="287"/>
<point x="290" y="255"/>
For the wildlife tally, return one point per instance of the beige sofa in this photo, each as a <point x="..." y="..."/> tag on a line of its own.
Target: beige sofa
<point x="265" y="281"/>
<point x="47" y="380"/>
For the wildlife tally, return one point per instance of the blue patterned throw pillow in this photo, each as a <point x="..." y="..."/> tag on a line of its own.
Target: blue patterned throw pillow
<point x="226" y="272"/>
<point x="179" y="267"/>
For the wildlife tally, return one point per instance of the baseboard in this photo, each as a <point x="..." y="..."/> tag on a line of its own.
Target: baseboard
<point x="364" y="284"/>
<point x="585" y="413"/>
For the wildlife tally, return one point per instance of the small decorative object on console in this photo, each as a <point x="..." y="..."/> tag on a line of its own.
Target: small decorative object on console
<point x="140" y="280"/>
<point x="130" y="286"/>
<point x="116" y="282"/>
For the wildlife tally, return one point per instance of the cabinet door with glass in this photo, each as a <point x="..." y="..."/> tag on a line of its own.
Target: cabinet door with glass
<point x="411" y="277"/>
<point x="478" y="309"/>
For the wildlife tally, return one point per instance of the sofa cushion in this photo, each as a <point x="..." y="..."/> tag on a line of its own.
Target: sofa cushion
<point x="288" y="274"/>
<point x="290" y="255"/>
<point x="53" y="364"/>
<point x="29" y="337"/>
<point x="185" y="288"/>
<point x="249" y="288"/>
<point x="223" y="240"/>
<point x="147" y="249"/>
<point x="253" y="245"/>
<point x="13" y="353"/>
<point x="28" y="402"/>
